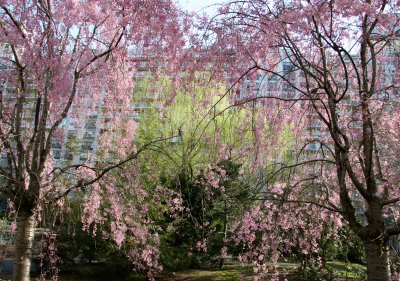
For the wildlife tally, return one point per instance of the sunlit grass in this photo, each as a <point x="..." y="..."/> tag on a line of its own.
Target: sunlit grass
<point x="233" y="273"/>
<point x="351" y="270"/>
<point x="245" y="273"/>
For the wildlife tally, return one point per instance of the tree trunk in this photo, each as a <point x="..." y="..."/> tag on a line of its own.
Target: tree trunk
<point x="377" y="257"/>
<point x="23" y="247"/>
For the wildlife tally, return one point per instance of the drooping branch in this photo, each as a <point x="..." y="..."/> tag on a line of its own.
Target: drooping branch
<point x="100" y="173"/>
<point x="331" y="208"/>
<point x="15" y="21"/>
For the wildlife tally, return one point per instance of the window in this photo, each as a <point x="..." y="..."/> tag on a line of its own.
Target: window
<point x="87" y="145"/>
<point x="57" y="154"/>
<point x="68" y="156"/>
<point x="83" y="157"/>
<point x="55" y="144"/>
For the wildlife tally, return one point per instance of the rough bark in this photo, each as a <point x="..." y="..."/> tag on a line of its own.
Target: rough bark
<point x="23" y="247"/>
<point x="377" y="258"/>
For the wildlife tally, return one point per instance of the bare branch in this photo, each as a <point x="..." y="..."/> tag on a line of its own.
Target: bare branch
<point x="102" y="172"/>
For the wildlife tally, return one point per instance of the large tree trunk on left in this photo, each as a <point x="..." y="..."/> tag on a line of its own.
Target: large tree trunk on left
<point x="23" y="246"/>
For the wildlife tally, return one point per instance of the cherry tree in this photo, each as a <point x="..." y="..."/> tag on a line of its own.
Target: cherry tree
<point x="65" y="60"/>
<point x="338" y="60"/>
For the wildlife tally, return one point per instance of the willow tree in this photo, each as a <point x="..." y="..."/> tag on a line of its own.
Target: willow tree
<point x="208" y="165"/>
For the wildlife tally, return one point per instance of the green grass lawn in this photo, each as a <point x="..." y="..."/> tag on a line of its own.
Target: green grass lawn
<point x="343" y="271"/>
<point x="232" y="273"/>
<point x="351" y="270"/>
